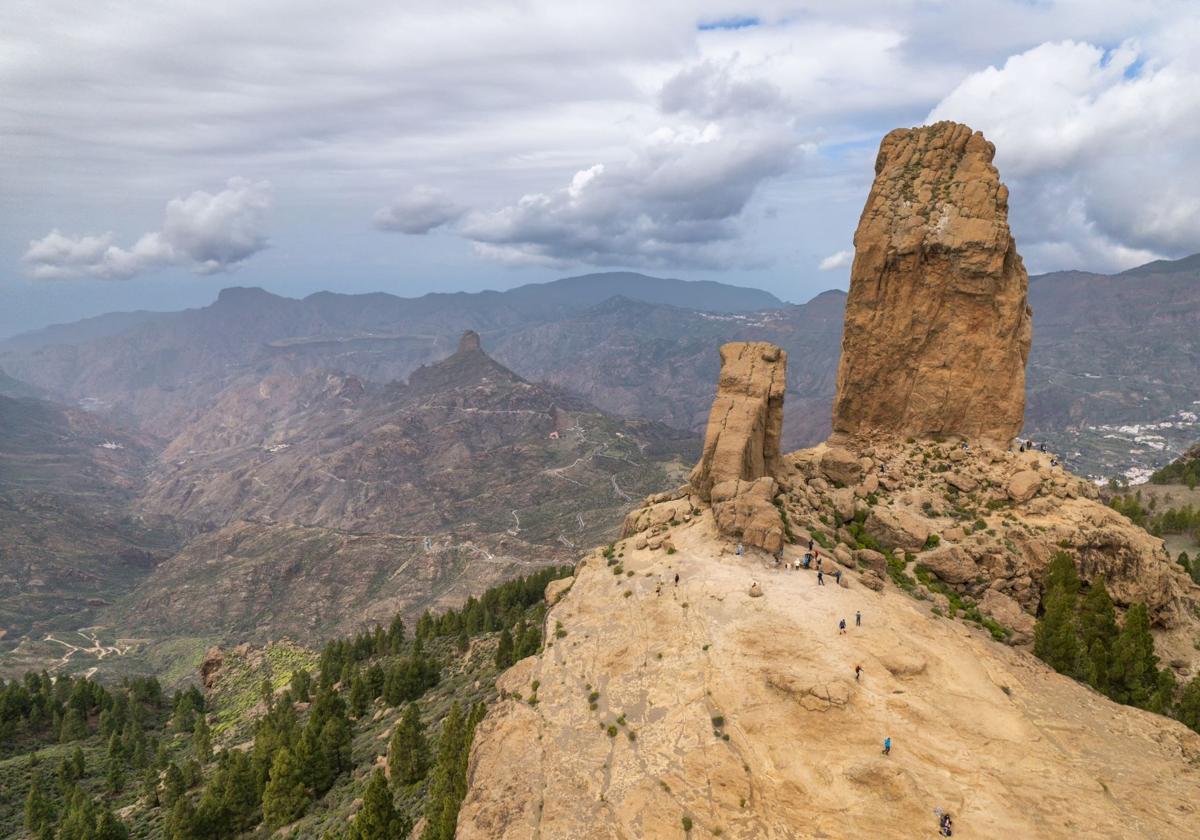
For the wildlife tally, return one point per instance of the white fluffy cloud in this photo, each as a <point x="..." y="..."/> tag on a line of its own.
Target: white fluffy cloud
<point x="419" y="211"/>
<point x="840" y="259"/>
<point x="676" y="202"/>
<point x="207" y="232"/>
<point x="1101" y="147"/>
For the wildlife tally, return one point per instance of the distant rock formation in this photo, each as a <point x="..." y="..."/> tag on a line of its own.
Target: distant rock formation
<point x="938" y="327"/>
<point x="744" y="426"/>
<point x="469" y="342"/>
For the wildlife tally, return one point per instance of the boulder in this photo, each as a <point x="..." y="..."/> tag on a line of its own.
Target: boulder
<point x="1009" y="614"/>
<point x="937" y="325"/>
<point x="555" y="589"/>
<point x="755" y="590"/>
<point x="871" y="559"/>
<point x="210" y="666"/>
<point x="897" y="528"/>
<point x="951" y="564"/>
<point x="962" y="483"/>
<point x="871" y="580"/>
<point x="1024" y="485"/>
<point x="843" y="503"/>
<point x="744" y="510"/>
<point x="841" y="466"/>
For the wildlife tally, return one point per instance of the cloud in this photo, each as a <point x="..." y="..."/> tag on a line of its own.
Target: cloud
<point x="1100" y="147"/>
<point x="207" y="232"/>
<point x="676" y="202"/>
<point x="839" y="260"/>
<point x="714" y="89"/>
<point x="418" y="212"/>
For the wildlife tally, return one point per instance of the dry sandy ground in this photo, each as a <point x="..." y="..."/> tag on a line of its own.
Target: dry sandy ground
<point x="979" y="729"/>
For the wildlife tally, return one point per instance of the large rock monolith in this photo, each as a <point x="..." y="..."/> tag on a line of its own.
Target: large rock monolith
<point x="937" y="322"/>
<point x="740" y="460"/>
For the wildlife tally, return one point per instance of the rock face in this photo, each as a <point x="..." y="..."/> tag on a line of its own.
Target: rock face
<point x="937" y="326"/>
<point x="735" y="706"/>
<point x="737" y="468"/>
<point x="742" y="438"/>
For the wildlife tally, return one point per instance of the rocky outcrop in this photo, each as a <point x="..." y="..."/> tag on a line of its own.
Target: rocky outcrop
<point x="937" y="327"/>
<point x="733" y="708"/>
<point x="741" y="446"/>
<point x="744" y="425"/>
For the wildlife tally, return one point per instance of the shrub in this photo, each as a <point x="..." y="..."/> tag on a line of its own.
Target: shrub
<point x="932" y="541"/>
<point x="612" y="730"/>
<point x="687" y="823"/>
<point x="718" y="721"/>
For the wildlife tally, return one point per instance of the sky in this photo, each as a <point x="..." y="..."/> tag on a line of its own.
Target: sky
<point x="152" y="153"/>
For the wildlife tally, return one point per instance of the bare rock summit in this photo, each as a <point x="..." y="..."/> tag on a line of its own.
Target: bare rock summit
<point x="938" y="326"/>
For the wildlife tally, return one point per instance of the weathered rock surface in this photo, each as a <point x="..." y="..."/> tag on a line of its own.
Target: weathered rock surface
<point x="897" y="528"/>
<point x="937" y="325"/>
<point x="1024" y="485"/>
<point x="741" y="441"/>
<point x="986" y="731"/>
<point x="741" y="447"/>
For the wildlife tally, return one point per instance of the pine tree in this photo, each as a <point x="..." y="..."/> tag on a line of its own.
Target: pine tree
<point x="1188" y="708"/>
<point x="1054" y="638"/>
<point x="115" y="778"/>
<point x="180" y="823"/>
<point x="173" y="785"/>
<point x="39" y="809"/>
<point x="359" y="696"/>
<point x="408" y="752"/>
<point x="1134" y="670"/>
<point x="202" y="740"/>
<point x="1098" y="631"/>
<point x="73" y="726"/>
<point x="504" y="652"/>
<point x="378" y="818"/>
<point x="441" y="808"/>
<point x="284" y="798"/>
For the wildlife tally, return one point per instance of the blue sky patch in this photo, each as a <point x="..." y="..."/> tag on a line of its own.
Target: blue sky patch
<point x="734" y="22"/>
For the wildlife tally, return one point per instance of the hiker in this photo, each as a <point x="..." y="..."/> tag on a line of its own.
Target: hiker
<point x="857" y="672"/>
<point x="818" y="562"/>
<point x="740" y="550"/>
<point x="807" y="560"/>
<point x="966" y="446"/>
<point x="779" y="556"/>
<point x="677" y="578"/>
<point x="842" y="627"/>
<point x="1022" y="447"/>
<point x="945" y="825"/>
<point x="1042" y="447"/>
<point x="820" y="578"/>
<point x="810" y="543"/>
<point x="658" y="588"/>
<point x="887" y="745"/>
<point x="837" y="576"/>
<point x="1054" y="462"/>
<point x="858" y="618"/>
<point x="797" y="563"/>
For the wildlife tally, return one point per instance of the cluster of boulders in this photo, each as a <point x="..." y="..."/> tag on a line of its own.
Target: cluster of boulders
<point x="983" y="522"/>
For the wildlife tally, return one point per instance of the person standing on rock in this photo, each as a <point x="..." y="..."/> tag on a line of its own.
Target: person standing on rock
<point x="677" y="578"/>
<point x="820" y="578"/>
<point x="887" y="745"/>
<point x="810" y="545"/>
<point x="740" y="550"/>
<point x="842" y="627"/>
<point x="658" y="588"/>
<point x="858" y="621"/>
<point x="857" y="672"/>
<point x="837" y="576"/>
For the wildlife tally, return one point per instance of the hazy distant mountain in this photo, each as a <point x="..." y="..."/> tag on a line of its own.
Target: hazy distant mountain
<point x="1109" y="351"/>
<point x="323" y="498"/>
<point x="70" y="539"/>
